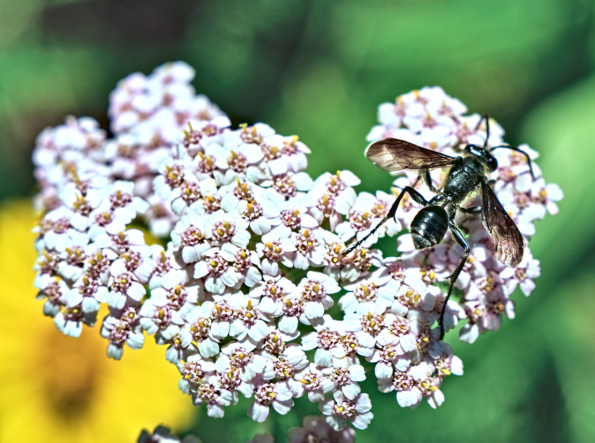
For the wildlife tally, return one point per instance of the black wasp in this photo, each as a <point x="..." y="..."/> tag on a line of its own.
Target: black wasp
<point x="467" y="173"/>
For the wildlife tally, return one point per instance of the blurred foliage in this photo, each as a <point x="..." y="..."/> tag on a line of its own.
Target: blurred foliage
<point x="319" y="70"/>
<point x="563" y="129"/>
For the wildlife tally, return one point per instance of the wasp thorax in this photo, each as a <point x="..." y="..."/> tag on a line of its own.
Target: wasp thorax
<point x="429" y="226"/>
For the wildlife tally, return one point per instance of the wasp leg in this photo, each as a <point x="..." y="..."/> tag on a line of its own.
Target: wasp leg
<point x="458" y="236"/>
<point x="514" y="148"/>
<point x="425" y="176"/>
<point x="391" y="213"/>
<point x="416" y="181"/>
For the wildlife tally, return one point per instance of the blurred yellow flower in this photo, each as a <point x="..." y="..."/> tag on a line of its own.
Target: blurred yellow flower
<point x="55" y="388"/>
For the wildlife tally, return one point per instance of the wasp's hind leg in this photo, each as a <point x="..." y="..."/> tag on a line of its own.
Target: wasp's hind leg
<point x="416" y="196"/>
<point x="458" y="236"/>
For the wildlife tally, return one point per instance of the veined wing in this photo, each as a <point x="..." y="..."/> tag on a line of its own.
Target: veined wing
<point x="507" y="242"/>
<point x="392" y="155"/>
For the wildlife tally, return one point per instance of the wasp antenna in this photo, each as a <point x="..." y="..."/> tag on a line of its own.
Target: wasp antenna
<point x="487" y="119"/>
<point x="514" y="148"/>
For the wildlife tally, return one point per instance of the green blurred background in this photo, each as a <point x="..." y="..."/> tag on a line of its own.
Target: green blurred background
<point x="319" y="70"/>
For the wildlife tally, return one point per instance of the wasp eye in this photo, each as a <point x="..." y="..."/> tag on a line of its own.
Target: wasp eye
<point x="493" y="164"/>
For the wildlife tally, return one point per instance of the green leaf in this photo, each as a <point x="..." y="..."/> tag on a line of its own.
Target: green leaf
<point x="562" y="130"/>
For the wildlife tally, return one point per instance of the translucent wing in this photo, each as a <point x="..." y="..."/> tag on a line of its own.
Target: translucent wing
<point x="506" y="240"/>
<point x="392" y="155"/>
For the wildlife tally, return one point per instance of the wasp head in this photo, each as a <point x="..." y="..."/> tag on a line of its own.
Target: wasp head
<point x="484" y="155"/>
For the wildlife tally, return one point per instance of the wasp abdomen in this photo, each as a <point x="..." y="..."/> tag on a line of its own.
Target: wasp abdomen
<point x="429" y="226"/>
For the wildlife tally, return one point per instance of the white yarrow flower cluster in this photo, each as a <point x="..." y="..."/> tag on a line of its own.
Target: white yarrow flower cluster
<point x="248" y="256"/>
